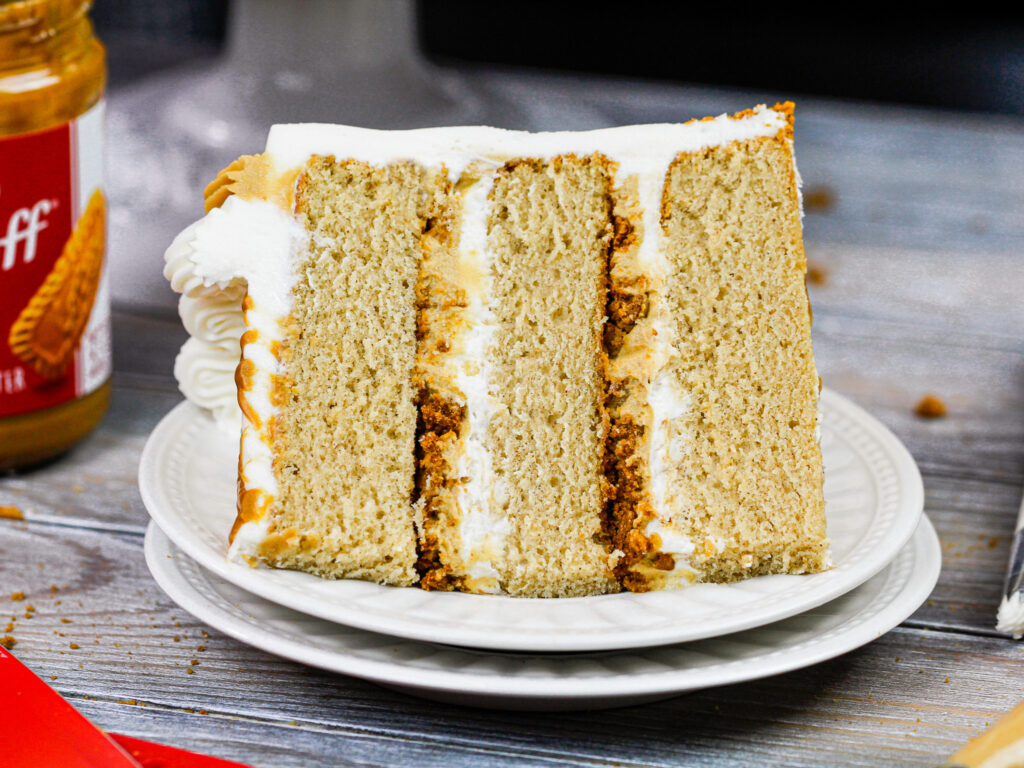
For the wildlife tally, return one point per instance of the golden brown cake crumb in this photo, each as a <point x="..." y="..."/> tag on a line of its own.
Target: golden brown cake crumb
<point x="819" y="199"/>
<point x="8" y="642"/>
<point x="11" y="513"/>
<point x="17" y="596"/>
<point x="930" y="407"/>
<point x="816" y="274"/>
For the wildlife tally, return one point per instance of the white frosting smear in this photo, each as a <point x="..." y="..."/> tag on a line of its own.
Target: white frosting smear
<point x="1011" y="616"/>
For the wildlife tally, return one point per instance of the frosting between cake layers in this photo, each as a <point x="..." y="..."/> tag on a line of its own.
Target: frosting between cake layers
<point x="668" y="402"/>
<point x="482" y="529"/>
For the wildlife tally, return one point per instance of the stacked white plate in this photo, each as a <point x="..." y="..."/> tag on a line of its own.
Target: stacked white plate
<point x="603" y="651"/>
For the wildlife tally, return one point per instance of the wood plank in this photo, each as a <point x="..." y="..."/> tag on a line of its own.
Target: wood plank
<point x="926" y="290"/>
<point x="887" y="703"/>
<point x="974" y="520"/>
<point x="887" y="368"/>
<point x="288" y="743"/>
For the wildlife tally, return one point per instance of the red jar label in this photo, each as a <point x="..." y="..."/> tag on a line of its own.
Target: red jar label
<point x="54" y="299"/>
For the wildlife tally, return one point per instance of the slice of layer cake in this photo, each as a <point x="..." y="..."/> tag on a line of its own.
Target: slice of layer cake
<point x="547" y="364"/>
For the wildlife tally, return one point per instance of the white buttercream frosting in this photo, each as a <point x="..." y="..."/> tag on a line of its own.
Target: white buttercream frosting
<point x="637" y="148"/>
<point x="483" y="526"/>
<point x="243" y="248"/>
<point x="1011" y="616"/>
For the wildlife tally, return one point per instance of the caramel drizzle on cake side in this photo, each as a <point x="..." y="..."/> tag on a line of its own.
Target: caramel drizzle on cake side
<point x="253" y="177"/>
<point x="252" y="502"/>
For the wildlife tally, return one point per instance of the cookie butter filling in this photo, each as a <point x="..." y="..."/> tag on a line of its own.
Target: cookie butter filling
<point x="670" y="407"/>
<point x="483" y="526"/>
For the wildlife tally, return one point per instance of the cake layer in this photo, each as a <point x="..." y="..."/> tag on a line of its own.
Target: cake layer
<point x="747" y="456"/>
<point x="543" y="364"/>
<point x="344" y="440"/>
<point x="550" y="230"/>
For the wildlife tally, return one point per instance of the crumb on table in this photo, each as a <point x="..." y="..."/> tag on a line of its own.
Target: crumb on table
<point x="819" y="199"/>
<point x="816" y="274"/>
<point x="11" y="513"/>
<point x="930" y="407"/>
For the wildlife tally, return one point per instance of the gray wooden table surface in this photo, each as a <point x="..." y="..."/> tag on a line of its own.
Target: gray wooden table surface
<point x="915" y="225"/>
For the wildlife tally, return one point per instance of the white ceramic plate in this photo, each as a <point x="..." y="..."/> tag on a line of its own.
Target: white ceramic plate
<point x="555" y="681"/>
<point x="873" y="496"/>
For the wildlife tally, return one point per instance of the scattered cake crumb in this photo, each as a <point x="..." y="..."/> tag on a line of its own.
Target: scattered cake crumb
<point x="11" y="513"/>
<point x="930" y="407"/>
<point x="816" y="274"/>
<point x="73" y="646"/>
<point x="819" y="199"/>
<point x="190" y="671"/>
<point x="8" y="642"/>
<point x="17" y="596"/>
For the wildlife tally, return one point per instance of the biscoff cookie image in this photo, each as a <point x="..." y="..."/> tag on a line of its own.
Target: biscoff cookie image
<point x="49" y="329"/>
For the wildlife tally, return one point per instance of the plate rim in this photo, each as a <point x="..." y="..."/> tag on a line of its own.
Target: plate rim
<point x="919" y="582"/>
<point x="904" y="525"/>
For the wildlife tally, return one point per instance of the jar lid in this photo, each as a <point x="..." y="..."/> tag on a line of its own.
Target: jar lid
<point x="48" y="15"/>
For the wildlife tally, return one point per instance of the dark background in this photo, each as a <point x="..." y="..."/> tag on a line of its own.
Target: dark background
<point x="971" y="61"/>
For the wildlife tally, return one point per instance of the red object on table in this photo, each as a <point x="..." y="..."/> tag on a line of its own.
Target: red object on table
<point x="152" y="755"/>
<point x="38" y="728"/>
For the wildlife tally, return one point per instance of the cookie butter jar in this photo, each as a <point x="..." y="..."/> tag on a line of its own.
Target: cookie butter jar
<point x="54" y="305"/>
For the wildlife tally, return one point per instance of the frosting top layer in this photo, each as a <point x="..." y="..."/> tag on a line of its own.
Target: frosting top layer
<point x="637" y="148"/>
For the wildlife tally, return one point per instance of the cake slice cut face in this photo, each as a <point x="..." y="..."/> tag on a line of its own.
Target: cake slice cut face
<point x="547" y="365"/>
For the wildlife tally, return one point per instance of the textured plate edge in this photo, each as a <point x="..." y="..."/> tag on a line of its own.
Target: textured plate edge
<point x="912" y="492"/>
<point x="490" y="690"/>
